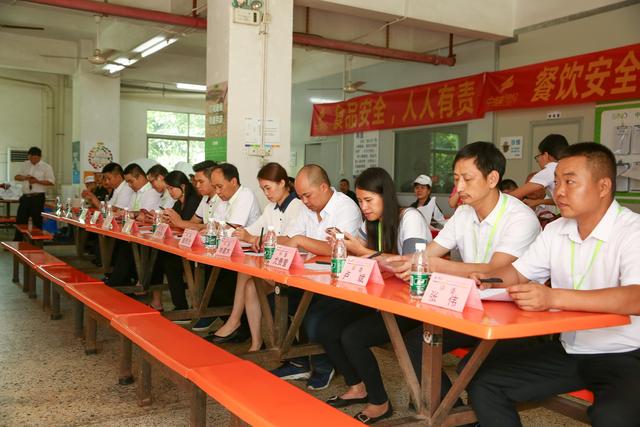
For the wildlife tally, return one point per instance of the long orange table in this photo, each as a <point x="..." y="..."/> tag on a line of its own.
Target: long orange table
<point x="499" y="320"/>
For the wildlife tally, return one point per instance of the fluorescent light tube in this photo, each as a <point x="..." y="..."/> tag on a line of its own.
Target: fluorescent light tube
<point x="151" y="42"/>
<point x="154" y="49"/>
<point x="189" y="86"/>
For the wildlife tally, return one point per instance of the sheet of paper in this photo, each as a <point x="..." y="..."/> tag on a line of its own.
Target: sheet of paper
<point x="317" y="267"/>
<point x="495" y="294"/>
<point x="256" y="254"/>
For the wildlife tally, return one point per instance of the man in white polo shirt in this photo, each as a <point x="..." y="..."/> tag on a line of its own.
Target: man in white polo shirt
<point x="325" y="208"/>
<point x="490" y="229"/>
<point x="114" y="180"/>
<point x="591" y="257"/>
<point x="144" y="196"/>
<point x="550" y="150"/>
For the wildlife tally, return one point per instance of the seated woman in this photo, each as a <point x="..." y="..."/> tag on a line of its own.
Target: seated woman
<point x="187" y="200"/>
<point x="351" y="330"/>
<point x="283" y="208"/>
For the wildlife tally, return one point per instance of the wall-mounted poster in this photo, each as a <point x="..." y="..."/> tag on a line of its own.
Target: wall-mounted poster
<point x="618" y="127"/>
<point x="99" y="156"/>
<point x="365" y="151"/>
<point x="511" y="146"/>
<point x="215" y="145"/>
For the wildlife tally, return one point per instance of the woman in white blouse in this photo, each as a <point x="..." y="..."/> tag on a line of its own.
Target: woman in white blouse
<point x="283" y="208"/>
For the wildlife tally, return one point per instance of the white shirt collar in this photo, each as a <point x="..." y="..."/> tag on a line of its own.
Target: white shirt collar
<point x="493" y="215"/>
<point x="331" y="205"/>
<point x="602" y="230"/>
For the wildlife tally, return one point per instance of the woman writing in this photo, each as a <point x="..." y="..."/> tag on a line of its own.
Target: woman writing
<point x="283" y="208"/>
<point x="352" y="329"/>
<point x="187" y="200"/>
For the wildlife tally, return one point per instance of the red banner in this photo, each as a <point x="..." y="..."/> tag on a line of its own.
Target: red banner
<point x="441" y="102"/>
<point x="609" y="75"/>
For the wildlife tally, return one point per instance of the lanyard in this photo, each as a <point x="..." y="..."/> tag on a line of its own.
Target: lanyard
<point x="380" y="236"/>
<point x="492" y="235"/>
<point x="596" y="251"/>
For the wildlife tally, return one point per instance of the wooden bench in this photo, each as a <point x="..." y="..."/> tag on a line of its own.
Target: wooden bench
<point x="33" y="234"/>
<point x="102" y="303"/>
<point x="31" y="261"/>
<point x="250" y="393"/>
<point x="16" y="249"/>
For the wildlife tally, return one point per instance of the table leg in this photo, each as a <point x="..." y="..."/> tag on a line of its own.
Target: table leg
<point x="32" y="285"/>
<point x="431" y="368"/>
<point x="55" y="305"/>
<point x="296" y="321"/>
<point x="16" y="269"/>
<point x="106" y="251"/>
<point x="267" y="317"/>
<point x="78" y="315"/>
<point x="46" y="294"/>
<point x="144" y="383"/>
<point x="198" y="403"/>
<point x="281" y="313"/>
<point x="203" y="303"/>
<point x="125" y="376"/>
<point x="91" y="334"/>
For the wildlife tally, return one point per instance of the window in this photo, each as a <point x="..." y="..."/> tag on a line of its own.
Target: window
<point x="174" y="137"/>
<point x="427" y="151"/>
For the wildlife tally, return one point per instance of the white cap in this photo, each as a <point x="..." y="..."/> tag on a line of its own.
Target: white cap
<point x="270" y="228"/>
<point x="185" y="168"/>
<point x="423" y="180"/>
<point x="421" y="246"/>
<point x="89" y="179"/>
<point x="339" y="236"/>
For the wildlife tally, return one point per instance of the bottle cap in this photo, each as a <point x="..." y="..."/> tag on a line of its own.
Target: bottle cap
<point x="270" y="228"/>
<point x="339" y="236"/>
<point x="421" y="246"/>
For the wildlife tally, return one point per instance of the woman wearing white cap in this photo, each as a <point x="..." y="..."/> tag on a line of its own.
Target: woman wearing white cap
<point x="422" y="188"/>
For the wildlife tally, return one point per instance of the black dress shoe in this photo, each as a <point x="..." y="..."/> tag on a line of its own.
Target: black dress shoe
<point x="338" y="402"/>
<point x="234" y="336"/>
<point x="364" y="419"/>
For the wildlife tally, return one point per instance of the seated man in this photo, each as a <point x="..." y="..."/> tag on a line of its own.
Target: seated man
<point x="590" y="256"/>
<point x="490" y="229"/>
<point x="113" y="180"/>
<point x="324" y="208"/>
<point x="550" y="150"/>
<point x="156" y="175"/>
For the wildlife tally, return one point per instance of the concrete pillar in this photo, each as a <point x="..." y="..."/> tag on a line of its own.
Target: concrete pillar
<point x="252" y="65"/>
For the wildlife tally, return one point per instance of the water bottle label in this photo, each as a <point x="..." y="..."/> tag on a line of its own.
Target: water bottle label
<point x="268" y="252"/>
<point x="337" y="264"/>
<point x="210" y="240"/>
<point x="418" y="283"/>
<point x="153" y="228"/>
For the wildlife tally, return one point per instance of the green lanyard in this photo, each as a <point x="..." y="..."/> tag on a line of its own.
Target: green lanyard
<point x="596" y="251"/>
<point x="492" y="235"/>
<point x="379" y="236"/>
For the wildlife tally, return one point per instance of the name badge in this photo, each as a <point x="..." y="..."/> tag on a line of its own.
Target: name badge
<point x="162" y="232"/>
<point x="360" y="271"/>
<point x="452" y="292"/>
<point x="191" y="239"/>
<point x="286" y="257"/>
<point x="228" y="247"/>
<point x="94" y="217"/>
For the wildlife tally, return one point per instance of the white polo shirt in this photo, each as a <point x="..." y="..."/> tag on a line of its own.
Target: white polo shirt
<point x="412" y="227"/>
<point x="145" y="198"/>
<point x="122" y="196"/>
<point x="279" y="216"/>
<point x="546" y="177"/>
<point x="166" y="201"/>
<point x="340" y="211"/>
<point x="40" y="171"/>
<point x="510" y="228"/>
<point x="242" y="208"/>
<point x="614" y="264"/>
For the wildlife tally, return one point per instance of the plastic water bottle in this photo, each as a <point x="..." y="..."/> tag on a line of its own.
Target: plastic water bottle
<point x="338" y="255"/>
<point x="58" y="206"/>
<point x="68" y="213"/>
<point x="270" y="242"/>
<point x="103" y="209"/>
<point x="419" y="271"/>
<point x="210" y="236"/>
<point x="157" y="220"/>
<point x="219" y="232"/>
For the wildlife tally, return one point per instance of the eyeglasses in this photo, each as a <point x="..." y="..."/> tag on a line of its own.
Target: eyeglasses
<point x="538" y="156"/>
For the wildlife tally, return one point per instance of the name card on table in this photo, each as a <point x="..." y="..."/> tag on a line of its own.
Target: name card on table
<point x="108" y="223"/>
<point x="83" y="215"/>
<point x="452" y="292"/>
<point x="360" y="271"/>
<point x="130" y="227"/>
<point x="191" y="239"/>
<point x="94" y="217"/>
<point x="228" y="247"/>
<point x="162" y="232"/>
<point x="286" y="257"/>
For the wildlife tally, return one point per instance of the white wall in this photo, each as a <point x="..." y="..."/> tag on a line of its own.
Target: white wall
<point x="133" y="120"/>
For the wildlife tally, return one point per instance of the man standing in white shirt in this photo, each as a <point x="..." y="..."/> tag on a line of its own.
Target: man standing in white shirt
<point x="590" y="255"/>
<point x="550" y="150"/>
<point x="326" y="208"/>
<point x="36" y="176"/>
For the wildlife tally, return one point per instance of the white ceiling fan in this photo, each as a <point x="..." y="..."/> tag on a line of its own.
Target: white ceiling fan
<point x="100" y="56"/>
<point x="349" y="85"/>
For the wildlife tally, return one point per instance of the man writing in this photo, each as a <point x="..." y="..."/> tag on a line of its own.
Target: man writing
<point x="35" y="176"/>
<point x="591" y="257"/>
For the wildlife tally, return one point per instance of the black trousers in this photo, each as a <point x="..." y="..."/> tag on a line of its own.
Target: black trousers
<point x="171" y="266"/>
<point x="546" y="370"/>
<point x="124" y="268"/>
<point x="30" y="206"/>
<point x="348" y="334"/>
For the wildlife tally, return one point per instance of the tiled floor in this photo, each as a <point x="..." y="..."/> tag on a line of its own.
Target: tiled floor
<point x="47" y="380"/>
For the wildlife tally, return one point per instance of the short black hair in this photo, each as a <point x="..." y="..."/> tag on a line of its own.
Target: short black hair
<point x="345" y="180"/>
<point x="229" y="171"/>
<point x="508" y="184"/>
<point x="553" y="144"/>
<point x="134" y="169"/>
<point x="156" y="170"/>
<point x="34" y="151"/>
<point x="113" y="168"/>
<point x="600" y="160"/>
<point x="205" y="167"/>
<point x="487" y="158"/>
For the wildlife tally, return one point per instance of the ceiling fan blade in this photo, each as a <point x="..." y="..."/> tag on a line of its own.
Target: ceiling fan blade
<point x="325" y="88"/>
<point x="61" y="56"/>
<point x="21" y="27"/>
<point x="357" y="84"/>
